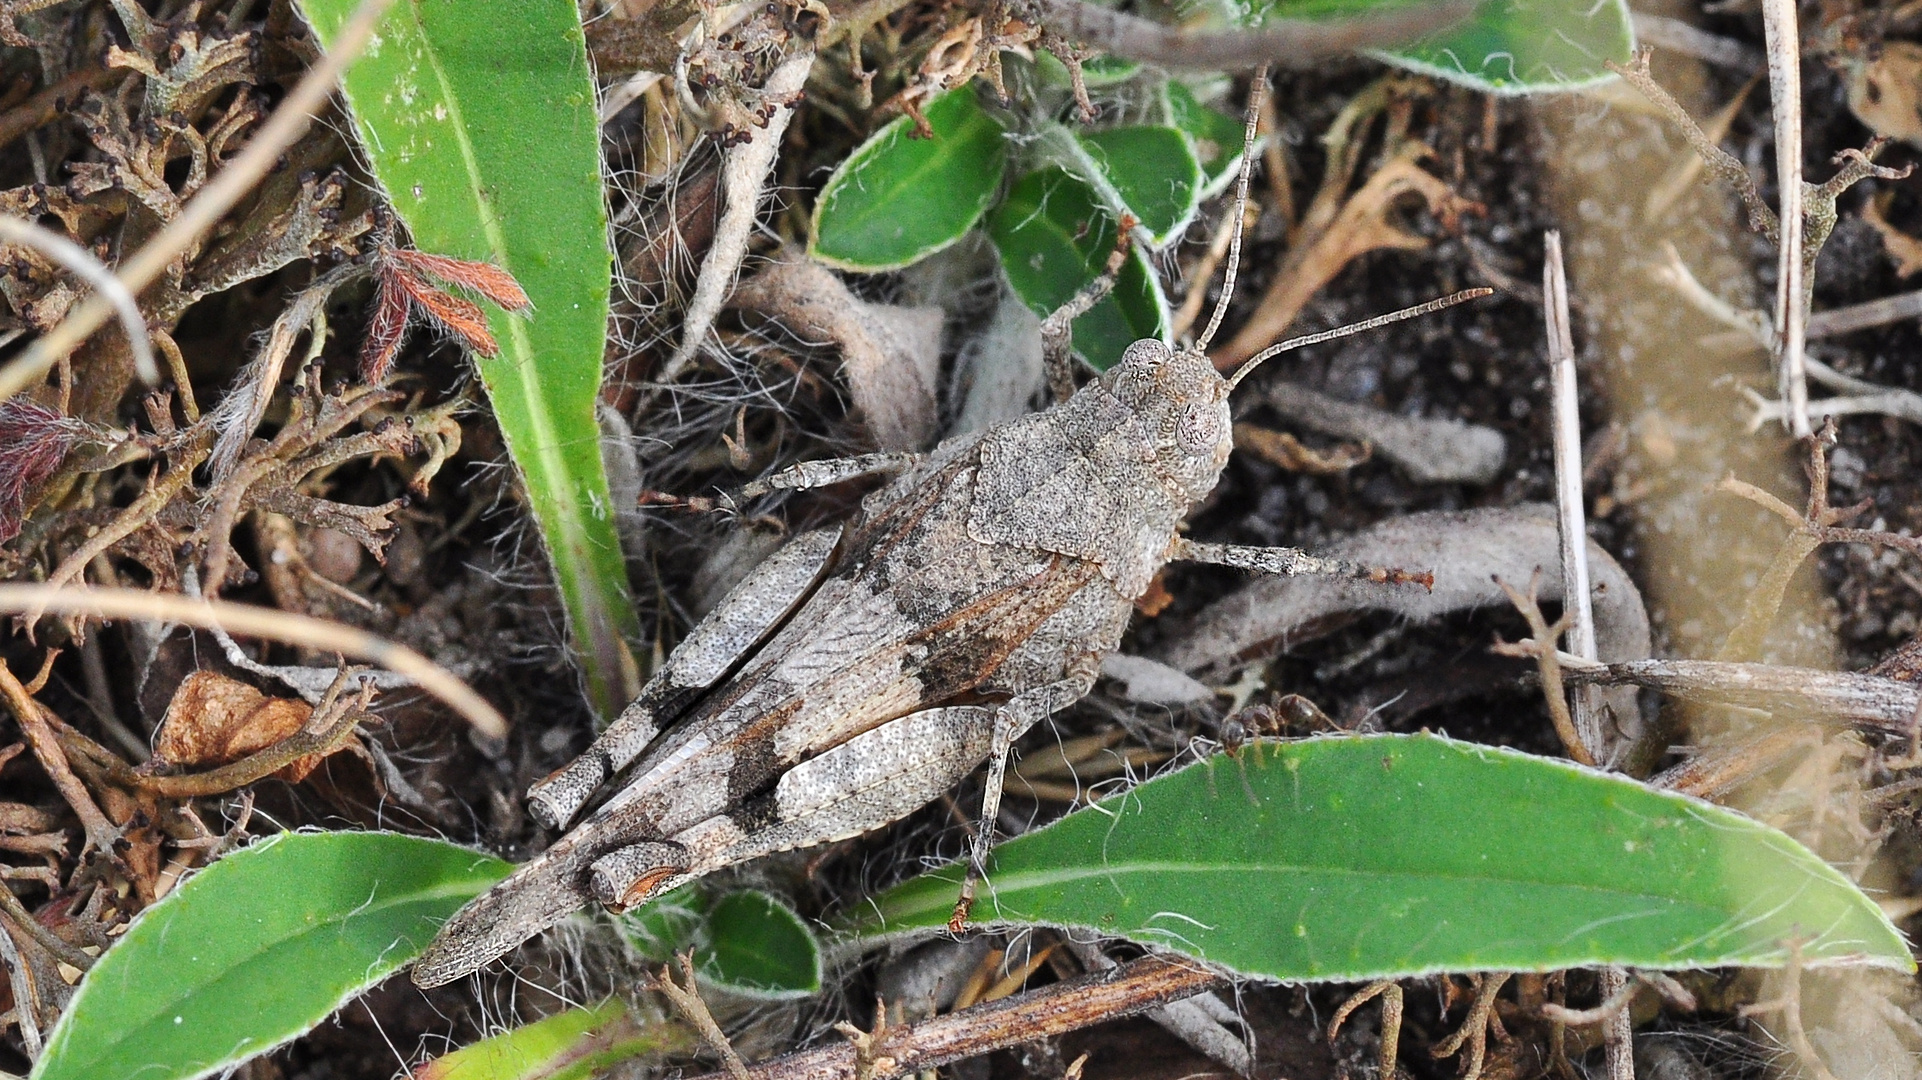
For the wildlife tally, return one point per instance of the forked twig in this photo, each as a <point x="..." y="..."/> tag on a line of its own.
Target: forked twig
<point x="1548" y="661"/>
<point x="687" y="1001"/>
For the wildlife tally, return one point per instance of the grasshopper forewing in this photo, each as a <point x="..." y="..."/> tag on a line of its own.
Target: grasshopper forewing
<point x="862" y="671"/>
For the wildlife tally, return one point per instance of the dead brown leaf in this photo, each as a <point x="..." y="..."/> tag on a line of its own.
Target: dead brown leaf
<point x="213" y="720"/>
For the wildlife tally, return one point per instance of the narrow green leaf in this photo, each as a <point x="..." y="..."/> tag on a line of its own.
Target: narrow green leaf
<point x="758" y="945"/>
<point x="256" y="949"/>
<point x="478" y="120"/>
<point x="1054" y="236"/>
<point x="573" y="1045"/>
<point x="1396" y="855"/>
<point x="898" y="199"/>
<point x="1154" y="172"/>
<point x="1217" y="136"/>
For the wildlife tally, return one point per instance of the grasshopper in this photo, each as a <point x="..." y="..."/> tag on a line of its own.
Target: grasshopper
<point x="861" y="671"/>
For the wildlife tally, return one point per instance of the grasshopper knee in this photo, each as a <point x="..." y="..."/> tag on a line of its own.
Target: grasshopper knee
<point x="631" y="875"/>
<point x="554" y="801"/>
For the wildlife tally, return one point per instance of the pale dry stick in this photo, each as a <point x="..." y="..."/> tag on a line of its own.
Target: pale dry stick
<point x="1577" y="592"/>
<point x="687" y="1001"/>
<point x="1783" y="40"/>
<point x="265" y="762"/>
<point x="288" y="123"/>
<point x="268" y="623"/>
<point x="1618" y="1028"/>
<point x="1391" y="1006"/>
<point x="100" y="832"/>
<point x="80" y="262"/>
<point x="1613" y="1005"/>
<point x="1871" y="702"/>
<point x="1052" y="1010"/>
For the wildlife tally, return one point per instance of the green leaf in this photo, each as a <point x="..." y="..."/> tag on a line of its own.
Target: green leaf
<point x="486" y="141"/>
<point x="256" y="949"/>
<point x="746" y="942"/>
<point x="573" y="1045"/>
<point x="1217" y="136"/>
<point x="1522" y="46"/>
<point x="758" y="945"/>
<point x="898" y="199"/>
<point x="1387" y="856"/>
<point x="1054" y="235"/>
<point x="1507" y="46"/>
<point x="1096" y="71"/>
<point x="1154" y="173"/>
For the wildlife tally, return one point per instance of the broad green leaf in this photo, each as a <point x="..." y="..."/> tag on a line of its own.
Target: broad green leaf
<point x="1153" y="172"/>
<point x="1217" y="136"/>
<point x="256" y="949"/>
<point x="1386" y="856"/>
<point x="573" y="1045"/>
<point x="1507" y="46"/>
<point x="478" y="120"/>
<point x="746" y="942"/>
<point x="1054" y="236"/>
<point x="898" y="199"/>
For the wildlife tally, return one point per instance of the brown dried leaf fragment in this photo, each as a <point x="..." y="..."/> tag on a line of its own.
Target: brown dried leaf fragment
<point x="386" y="330"/>
<point x="34" y="440"/>
<point x="1282" y="450"/>
<point x="457" y="315"/>
<point x="1886" y="93"/>
<point x="1904" y="251"/>
<point x="407" y="286"/>
<point x="213" y="720"/>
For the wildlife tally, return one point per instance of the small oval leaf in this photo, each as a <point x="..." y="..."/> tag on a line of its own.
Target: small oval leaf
<point x="1154" y="171"/>
<point x="898" y="199"/>
<point x="1396" y="855"/>
<point x="1054" y="236"/>
<point x="757" y="945"/>
<point x="256" y="949"/>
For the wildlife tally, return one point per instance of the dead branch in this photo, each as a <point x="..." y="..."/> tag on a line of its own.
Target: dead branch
<point x="1872" y="702"/>
<point x="1051" y="1010"/>
<point x="31" y="716"/>
<point x="1431" y="450"/>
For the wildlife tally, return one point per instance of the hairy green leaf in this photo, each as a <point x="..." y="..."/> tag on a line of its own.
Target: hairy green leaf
<point x="898" y="198"/>
<point x="576" y="1044"/>
<point x="1054" y="236"/>
<point x="746" y="942"/>
<point x="1153" y="172"/>
<point x="488" y="145"/>
<point x="1387" y="856"/>
<point x="256" y="949"/>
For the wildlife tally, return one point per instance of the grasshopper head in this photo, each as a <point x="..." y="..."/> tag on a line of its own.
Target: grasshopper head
<point x="1180" y="398"/>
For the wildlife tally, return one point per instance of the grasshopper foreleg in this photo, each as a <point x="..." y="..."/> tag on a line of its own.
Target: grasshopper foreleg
<point x="806" y="475"/>
<point x="1011" y="721"/>
<point x="1291" y="561"/>
<point x="743" y="617"/>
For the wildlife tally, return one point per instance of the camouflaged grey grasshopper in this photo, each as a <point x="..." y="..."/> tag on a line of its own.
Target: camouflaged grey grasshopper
<point x="863" y="670"/>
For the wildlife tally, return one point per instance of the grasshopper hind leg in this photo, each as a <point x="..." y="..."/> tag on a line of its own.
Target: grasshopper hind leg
<point x="747" y="614"/>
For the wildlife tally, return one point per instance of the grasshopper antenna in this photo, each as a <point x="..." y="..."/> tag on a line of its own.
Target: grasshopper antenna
<point x="1416" y="312"/>
<point x="1255" y="94"/>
